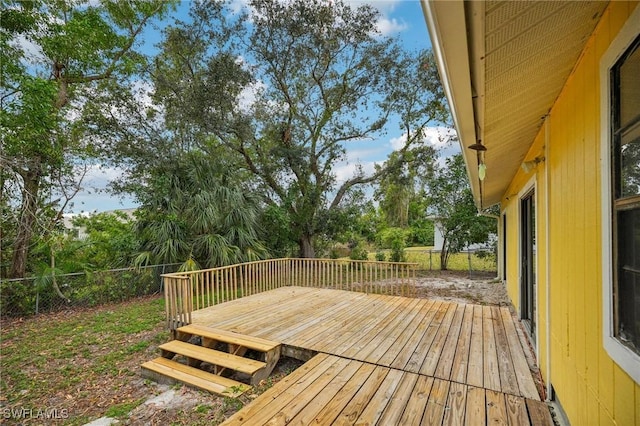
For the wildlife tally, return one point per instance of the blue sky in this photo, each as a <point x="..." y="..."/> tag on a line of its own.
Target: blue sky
<point x="403" y="18"/>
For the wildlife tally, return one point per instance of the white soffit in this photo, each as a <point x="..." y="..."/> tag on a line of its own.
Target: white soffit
<point x="520" y="54"/>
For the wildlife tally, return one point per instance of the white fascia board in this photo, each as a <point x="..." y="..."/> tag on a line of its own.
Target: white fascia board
<point x="448" y="32"/>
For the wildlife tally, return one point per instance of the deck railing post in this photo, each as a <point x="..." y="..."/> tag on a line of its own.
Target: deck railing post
<point x="166" y="283"/>
<point x="178" y="295"/>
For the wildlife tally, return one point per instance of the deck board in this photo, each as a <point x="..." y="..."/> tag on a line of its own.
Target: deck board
<point x="339" y="391"/>
<point x="416" y="338"/>
<point x="351" y="412"/>
<point x="419" y="353"/>
<point x="490" y="355"/>
<point x="461" y="359"/>
<point x="435" y="409"/>
<point x="445" y="361"/>
<point x="387" y="359"/>
<point x="435" y="350"/>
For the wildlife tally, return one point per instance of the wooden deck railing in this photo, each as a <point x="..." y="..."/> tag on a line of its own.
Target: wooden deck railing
<point x="188" y="291"/>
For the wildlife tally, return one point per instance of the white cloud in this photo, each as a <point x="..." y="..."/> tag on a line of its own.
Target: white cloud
<point x="238" y="6"/>
<point x="98" y="177"/>
<point x="391" y="26"/>
<point x="347" y="170"/>
<point x="249" y="95"/>
<point x="397" y="143"/>
<point x="101" y="175"/>
<point x="143" y="90"/>
<point x="439" y="137"/>
<point x="386" y="25"/>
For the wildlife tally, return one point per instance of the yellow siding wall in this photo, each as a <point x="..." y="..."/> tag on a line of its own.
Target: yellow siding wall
<point x="591" y="387"/>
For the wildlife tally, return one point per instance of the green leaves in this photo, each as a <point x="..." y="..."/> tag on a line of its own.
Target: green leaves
<point x="191" y="215"/>
<point x="29" y="123"/>
<point x="54" y="56"/>
<point x="110" y="240"/>
<point x="287" y="90"/>
<point x="451" y="201"/>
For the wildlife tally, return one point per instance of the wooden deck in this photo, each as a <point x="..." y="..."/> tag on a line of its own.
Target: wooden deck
<point x="385" y="360"/>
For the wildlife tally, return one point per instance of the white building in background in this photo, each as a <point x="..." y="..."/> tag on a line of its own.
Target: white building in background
<point x="80" y="231"/>
<point x="438" y="238"/>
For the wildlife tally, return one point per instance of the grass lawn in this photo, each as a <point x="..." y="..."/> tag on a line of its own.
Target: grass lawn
<point x="430" y="260"/>
<point x="82" y="364"/>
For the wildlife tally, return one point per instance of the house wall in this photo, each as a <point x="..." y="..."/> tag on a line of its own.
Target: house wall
<point x="591" y="387"/>
<point x="519" y="187"/>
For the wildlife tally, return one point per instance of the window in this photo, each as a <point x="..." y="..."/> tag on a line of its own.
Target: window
<point x="625" y="178"/>
<point x="620" y="159"/>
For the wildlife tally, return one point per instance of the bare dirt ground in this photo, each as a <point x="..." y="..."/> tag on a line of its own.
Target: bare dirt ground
<point x="455" y="286"/>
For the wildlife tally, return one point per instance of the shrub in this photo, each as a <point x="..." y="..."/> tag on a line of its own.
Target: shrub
<point x="359" y="252"/>
<point x="396" y="240"/>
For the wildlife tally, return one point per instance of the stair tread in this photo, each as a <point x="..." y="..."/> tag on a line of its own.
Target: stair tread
<point x="255" y="343"/>
<point x="212" y="356"/>
<point x="195" y="377"/>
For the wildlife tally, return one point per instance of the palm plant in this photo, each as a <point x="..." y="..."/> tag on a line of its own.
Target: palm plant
<point x="193" y="215"/>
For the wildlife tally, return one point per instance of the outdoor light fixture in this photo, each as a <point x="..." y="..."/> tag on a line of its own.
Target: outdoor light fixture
<point x="527" y="166"/>
<point x="477" y="146"/>
<point x="482" y="171"/>
<point x="482" y="167"/>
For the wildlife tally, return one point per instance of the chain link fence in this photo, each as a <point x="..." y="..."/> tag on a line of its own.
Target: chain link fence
<point x="35" y="295"/>
<point x="479" y="261"/>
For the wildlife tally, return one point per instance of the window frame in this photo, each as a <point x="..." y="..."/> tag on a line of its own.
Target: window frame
<point x="624" y="356"/>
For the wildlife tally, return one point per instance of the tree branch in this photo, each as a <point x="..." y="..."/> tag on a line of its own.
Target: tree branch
<point x="114" y="61"/>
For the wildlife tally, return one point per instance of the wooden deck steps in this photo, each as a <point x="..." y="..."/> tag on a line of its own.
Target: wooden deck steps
<point x="219" y="359"/>
<point x="220" y="351"/>
<point x="166" y="370"/>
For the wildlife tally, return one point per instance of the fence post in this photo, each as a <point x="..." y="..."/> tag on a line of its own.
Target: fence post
<point x="37" y="297"/>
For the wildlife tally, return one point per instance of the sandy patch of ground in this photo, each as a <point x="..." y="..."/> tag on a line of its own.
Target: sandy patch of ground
<point x="480" y="288"/>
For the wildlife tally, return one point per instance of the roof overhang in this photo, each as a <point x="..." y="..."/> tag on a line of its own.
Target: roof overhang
<point x="503" y="64"/>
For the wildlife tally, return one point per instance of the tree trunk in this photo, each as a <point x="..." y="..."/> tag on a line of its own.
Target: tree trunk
<point x="306" y="247"/>
<point x="54" y="281"/>
<point x="444" y="255"/>
<point x="26" y="223"/>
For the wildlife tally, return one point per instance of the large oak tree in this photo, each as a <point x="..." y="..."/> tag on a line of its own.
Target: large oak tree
<point x="289" y="88"/>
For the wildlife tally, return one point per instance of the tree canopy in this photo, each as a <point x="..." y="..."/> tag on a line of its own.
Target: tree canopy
<point x="287" y="91"/>
<point x="53" y="54"/>
<point x="229" y="137"/>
